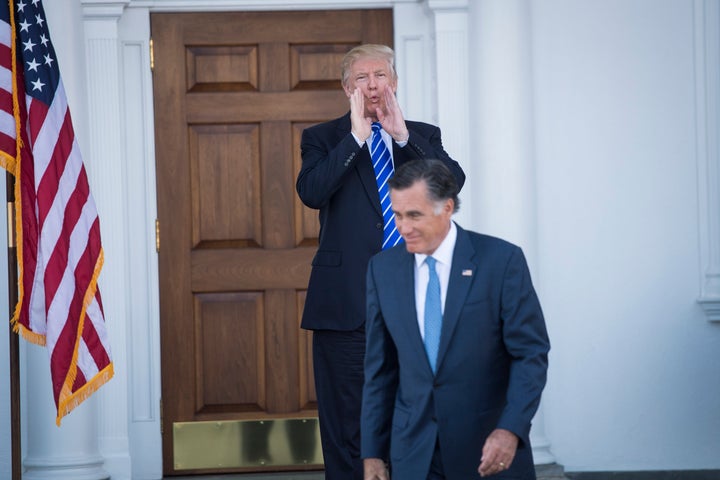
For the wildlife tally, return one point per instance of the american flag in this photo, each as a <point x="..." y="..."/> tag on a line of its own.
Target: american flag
<point x="57" y="227"/>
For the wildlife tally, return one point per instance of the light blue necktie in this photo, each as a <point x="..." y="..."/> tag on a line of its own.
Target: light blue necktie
<point x="433" y="313"/>
<point x="382" y="164"/>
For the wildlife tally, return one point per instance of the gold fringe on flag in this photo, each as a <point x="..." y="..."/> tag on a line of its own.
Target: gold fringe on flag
<point x="69" y="400"/>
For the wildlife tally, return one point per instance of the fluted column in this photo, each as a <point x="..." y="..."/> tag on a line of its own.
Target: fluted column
<point x="502" y="129"/>
<point x="451" y="56"/>
<point x="68" y="452"/>
<point x="105" y="162"/>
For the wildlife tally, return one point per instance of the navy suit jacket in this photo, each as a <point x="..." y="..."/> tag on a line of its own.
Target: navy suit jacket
<point x="491" y="365"/>
<point x="337" y="178"/>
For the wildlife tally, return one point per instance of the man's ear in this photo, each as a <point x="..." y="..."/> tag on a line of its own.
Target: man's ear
<point x="450" y="206"/>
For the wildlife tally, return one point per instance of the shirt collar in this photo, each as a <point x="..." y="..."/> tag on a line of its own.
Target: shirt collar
<point x="444" y="252"/>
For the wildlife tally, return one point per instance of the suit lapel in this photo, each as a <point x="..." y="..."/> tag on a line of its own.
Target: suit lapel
<point x="462" y="275"/>
<point x="403" y="276"/>
<point x="363" y="166"/>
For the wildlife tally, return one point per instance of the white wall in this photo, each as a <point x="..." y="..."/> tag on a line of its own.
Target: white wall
<point x="634" y="381"/>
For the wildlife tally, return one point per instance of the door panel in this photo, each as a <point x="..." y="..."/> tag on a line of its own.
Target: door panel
<point x="232" y="93"/>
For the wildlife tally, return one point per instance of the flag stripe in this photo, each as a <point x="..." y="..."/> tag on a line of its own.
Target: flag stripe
<point x="54" y="179"/>
<point x="62" y="218"/>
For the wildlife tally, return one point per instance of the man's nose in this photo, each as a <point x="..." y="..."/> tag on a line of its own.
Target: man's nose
<point x="401" y="226"/>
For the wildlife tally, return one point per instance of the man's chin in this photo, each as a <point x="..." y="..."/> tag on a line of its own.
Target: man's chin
<point x="412" y="248"/>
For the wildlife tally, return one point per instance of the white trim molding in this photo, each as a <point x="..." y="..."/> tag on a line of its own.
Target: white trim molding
<point x="250" y="5"/>
<point x="707" y="78"/>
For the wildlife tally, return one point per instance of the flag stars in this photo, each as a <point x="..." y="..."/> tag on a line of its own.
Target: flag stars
<point x="38" y="85"/>
<point x="38" y="57"/>
<point x="33" y="65"/>
<point x="29" y="44"/>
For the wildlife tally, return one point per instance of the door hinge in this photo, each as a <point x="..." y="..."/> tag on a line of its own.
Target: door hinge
<point x="161" y="417"/>
<point x="152" y="56"/>
<point x="157" y="235"/>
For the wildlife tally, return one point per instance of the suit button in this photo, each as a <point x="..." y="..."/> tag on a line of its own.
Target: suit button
<point x="379" y="226"/>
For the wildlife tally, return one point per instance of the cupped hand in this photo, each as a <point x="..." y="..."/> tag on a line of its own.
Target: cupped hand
<point x="359" y="123"/>
<point x="392" y="119"/>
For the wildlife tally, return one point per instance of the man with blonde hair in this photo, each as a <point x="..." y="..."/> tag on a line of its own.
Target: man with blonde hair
<point x="346" y="163"/>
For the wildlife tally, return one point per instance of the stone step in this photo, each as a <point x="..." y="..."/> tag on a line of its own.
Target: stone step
<point x="544" y="472"/>
<point x="551" y="471"/>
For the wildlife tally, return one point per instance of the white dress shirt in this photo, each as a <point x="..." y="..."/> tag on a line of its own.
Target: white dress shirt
<point x="443" y="254"/>
<point x="385" y="136"/>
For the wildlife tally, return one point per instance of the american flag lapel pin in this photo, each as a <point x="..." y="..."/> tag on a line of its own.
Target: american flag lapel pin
<point x="467" y="272"/>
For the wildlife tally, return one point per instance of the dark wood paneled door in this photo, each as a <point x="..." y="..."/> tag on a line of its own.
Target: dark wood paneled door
<point x="232" y="94"/>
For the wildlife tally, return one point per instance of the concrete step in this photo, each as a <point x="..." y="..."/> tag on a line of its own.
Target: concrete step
<point x="544" y="472"/>
<point x="551" y="471"/>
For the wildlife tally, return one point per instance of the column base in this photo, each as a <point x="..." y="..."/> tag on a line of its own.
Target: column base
<point x="87" y="468"/>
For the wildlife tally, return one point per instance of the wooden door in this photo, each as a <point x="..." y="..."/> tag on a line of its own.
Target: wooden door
<point x="232" y="94"/>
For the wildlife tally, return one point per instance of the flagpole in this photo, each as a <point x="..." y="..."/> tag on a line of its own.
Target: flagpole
<point x="14" y="340"/>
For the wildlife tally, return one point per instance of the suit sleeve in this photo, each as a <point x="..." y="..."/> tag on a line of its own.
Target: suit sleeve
<point x="526" y="340"/>
<point x="428" y="145"/>
<point x="381" y="377"/>
<point x="324" y="166"/>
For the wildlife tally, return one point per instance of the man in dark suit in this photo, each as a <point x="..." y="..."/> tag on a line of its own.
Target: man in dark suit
<point x="456" y="357"/>
<point x="338" y="178"/>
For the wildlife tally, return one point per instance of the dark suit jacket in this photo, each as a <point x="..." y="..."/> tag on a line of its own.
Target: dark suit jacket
<point x="491" y="366"/>
<point x="338" y="179"/>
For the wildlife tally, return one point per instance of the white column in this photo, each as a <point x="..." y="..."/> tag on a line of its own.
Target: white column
<point x="502" y="130"/>
<point x="451" y="57"/>
<point x="68" y="452"/>
<point x="105" y="163"/>
<point x="71" y="450"/>
<point x="707" y="78"/>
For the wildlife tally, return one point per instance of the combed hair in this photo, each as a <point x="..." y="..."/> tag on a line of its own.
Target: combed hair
<point x="440" y="181"/>
<point x="368" y="50"/>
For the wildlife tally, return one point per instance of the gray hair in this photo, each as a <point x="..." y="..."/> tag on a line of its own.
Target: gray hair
<point x="440" y="181"/>
<point x="368" y="50"/>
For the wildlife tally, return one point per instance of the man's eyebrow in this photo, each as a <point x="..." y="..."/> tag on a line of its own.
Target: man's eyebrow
<point x="414" y="213"/>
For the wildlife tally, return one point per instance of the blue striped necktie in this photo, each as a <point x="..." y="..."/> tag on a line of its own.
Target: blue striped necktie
<point x="382" y="164"/>
<point x="433" y="313"/>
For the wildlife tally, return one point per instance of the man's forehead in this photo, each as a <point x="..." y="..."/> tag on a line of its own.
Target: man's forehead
<point x="369" y="63"/>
